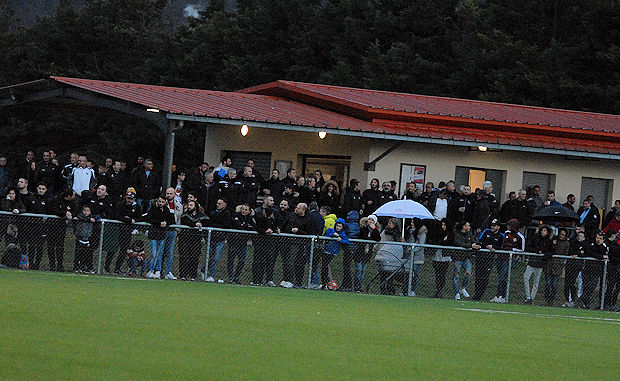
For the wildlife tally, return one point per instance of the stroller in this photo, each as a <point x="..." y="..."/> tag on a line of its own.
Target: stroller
<point x="12" y="254"/>
<point x="394" y="265"/>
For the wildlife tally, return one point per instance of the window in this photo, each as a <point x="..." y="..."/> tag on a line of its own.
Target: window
<point x="262" y="160"/>
<point x="600" y="189"/>
<point x="332" y="167"/>
<point x="546" y="182"/>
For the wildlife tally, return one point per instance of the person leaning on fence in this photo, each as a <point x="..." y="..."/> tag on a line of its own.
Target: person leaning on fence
<point x="613" y="272"/>
<point x="539" y="243"/>
<point x="190" y="240"/>
<point x="221" y="218"/>
<point x="135" y="257"/>
<point x="64" y="206"/>
<point x="128" y="211"/>
<point x="263" y="260"/>
<point x="349" y="252"/>
<point x="553" y="267"/>
<point x="160" y="218"/>
<point x="369" y="231"/>
<point x="416" y="233"/>
<point x="573" y="266"/>
<point x="464" y="238"/>
<point x="513" y="241"/>
<point x="390" y="260"/>
<point x="490" y="239"/>
<point x="83" y="226"/>
<point x="37" y="229"/>
<point x="592" y="270"/>
<point x="332" y="248"/>
<point x="442" y="257"/>
<point x="243" y="219"/>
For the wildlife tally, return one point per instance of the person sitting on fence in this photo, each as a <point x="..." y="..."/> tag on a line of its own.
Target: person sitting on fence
<point x="540" y="243"/>
<point x="83" y="226"/>
<point x="135" y="257"/>
<point x="332" y="248"/>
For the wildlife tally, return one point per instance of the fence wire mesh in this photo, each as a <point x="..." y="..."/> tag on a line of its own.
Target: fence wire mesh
<point x="246" y="257"/>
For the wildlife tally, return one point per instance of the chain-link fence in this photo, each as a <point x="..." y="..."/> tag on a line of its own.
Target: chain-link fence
<point x="246" y="257"/>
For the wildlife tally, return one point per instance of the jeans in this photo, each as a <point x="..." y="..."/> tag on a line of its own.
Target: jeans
<point x="457" y="269"/>
<point x="157" y="251"/>
<point x="359" y="275"/>
<point x="529" y="270"/>
<point x="133" y="264"/>
<point x="551" y="286"/>
<point x="217" y="248"/>
<point x="144" y="203"/>
<point x="171" y="237"/>
<point x="416" y="271"/>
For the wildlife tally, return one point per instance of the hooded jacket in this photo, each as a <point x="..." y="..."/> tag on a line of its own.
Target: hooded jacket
<point x="330" y="221"/>
<point x="333" y="247"/>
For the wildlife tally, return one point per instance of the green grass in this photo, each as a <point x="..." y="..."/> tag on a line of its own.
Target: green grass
<point x="57" y="326"/>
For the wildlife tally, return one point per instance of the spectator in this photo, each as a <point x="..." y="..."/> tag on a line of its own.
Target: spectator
<point x="5" y="176"/>
<point x="26" y="165"/>
<point x="222" y="169"/>
<point x="573" y="267"/>
<point x="83" y="230"/>
<point x="537" y="201"/>
<point x="505" y="210"/>
<point x="570" y="202"/>
<point x="64" y="206"/>
<point x="315" y="191"/>
<point x="68" y="169"/>
<point x="139" y="167"/>
<point x="491" y="239"/>
<point x="589" y="217"/>
<point x="82" y="177"/>
<point x="190" y="245"/>
<point x="11" y="203"/>
<point x="386" y="195"/>
<point x="243" y="219"/>
<point x="330" y="196"/>
<point x="461" y="207"/>
<point x="332" y="248"/>
<point x="128" y="211"/>
<point x="147" y="183"/>
<point x="257" y="175"/>
<point x="274" y="185"/>
<point x="417" y="234"/>
<point x="320" y="180"/>
<point x="428" y="191"/>
<point x="482" y="212"/>
<point x="351" y="251"/>
<point x="290" y="180"/>
<point x="221" y="218"/>
<point x="175" y="208"/>
<point x="24" y="195"/>
<point x="411" y="192"/>
<point x="463" y="237"/>
<point x="390" y="260"/>
<point x="160" y="218"/>
<point x="614" y="224"/>
<point x="178" y="184"/>
<point x="513" y="241"/>
<point x="250" y="187"/>
<point x="207" y="193"/>
<point x="303" y="193"/>
<point x="442" y="258"/>
<point x="329" y="217"/>
<point x="294" y="257"/>
<point x="610" y="216"/>
<point x="553" y="267"/>
<point x="592" y="270"/>
<point x="487" y="188"/>
<point x="116" y="182"/>
<point x="550" y="201"/>
<point x="519" y="209"/>
<point x="613" y="272"/>
<point x="38" y="230"/>
<point x="197" y="177"/>
<point x="135" y="257"/>
<point x="47" y="173"/>
<point x="101" y="204"/>
<point x="32" y="175"/>
<point x="263" y="259"/>
<point x="439" y="207"/>
<point x="370" y="198"/>
<point x="540" y="243"/>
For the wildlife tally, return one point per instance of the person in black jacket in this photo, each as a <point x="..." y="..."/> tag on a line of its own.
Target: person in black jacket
<point x="221" y="218"/>
<point x="128" y="211"/>
<point x="370" y="198"/>
<point x="190" y="245"/>
<point x="482" y="212"/>
<point x="491" y="239"/>
<point x="294" y="265"/>
<point x="64" y="206"/>
<point x="369" y="231"/>
<point x="250" y="187"/>
<point x="352" y="198"/>
<point x="274" y="186"/>
<point x="116" y="181"/>
<point x="613" y="272"/>
<point x="263" y="260"/>
<point x="160" y="218"/>
<point x="147" y="183"/>
<point x="573" y="266"/>
<point x="592" y="270"/>
<point x="330" y="196"/>
<point x="540" y="243"/>
<point x="442" y="258"/>
<point x="36" y="229"/>
<point x="243" y="219"/>
<point x="590" y="218"/>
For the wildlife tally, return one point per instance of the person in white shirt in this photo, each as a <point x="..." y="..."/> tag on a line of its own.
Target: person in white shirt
<point x="440" y="209"/>
<point x="82" y="177"/>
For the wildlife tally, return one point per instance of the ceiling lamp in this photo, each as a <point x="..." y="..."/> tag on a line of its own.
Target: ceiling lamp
<point x="244" y="130"/>
<point x="322" y="135"/>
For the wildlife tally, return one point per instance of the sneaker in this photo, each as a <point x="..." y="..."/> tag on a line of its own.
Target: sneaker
<point x="464" y="293"/>
<point x="283" y="283"/>
<point x="156" y="275"/>
<point x="210" y="279"/>
<point x="286" y="284"/>
<point x="494" y="300"/>
<point x="220" y="281"/>
<point x="254" y="284"/>
<point x="501" y="299"/>
<point x="170" y="276"/>
<point x="411" y="293"/>
<point x="528" y="301"/>
<point x="149" y="274"/>
<point x="457" y="296"/>
<point x="271" y="284"/>
<point x="565" y="305"/>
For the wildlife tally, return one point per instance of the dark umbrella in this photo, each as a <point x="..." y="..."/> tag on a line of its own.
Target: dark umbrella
<point x="555" y="213"/>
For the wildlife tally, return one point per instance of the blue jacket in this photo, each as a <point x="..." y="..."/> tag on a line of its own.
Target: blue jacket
<point x="352" y="226"/>
<point x="333" y="247"/>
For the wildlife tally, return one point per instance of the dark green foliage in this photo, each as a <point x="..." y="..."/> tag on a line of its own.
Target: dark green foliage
<point x="549" y="53"/>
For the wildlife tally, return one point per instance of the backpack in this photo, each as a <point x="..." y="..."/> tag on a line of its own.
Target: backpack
<point x="24" y="264"/>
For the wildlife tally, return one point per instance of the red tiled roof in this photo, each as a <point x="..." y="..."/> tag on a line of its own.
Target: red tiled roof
<point x="298" y="105"/>
<point x="391" y="103"/>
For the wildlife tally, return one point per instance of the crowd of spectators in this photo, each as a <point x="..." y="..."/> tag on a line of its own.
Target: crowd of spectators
<point x="228" y="196"/>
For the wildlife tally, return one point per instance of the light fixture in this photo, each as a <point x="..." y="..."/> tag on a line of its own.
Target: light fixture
<point x="244" y="130"/>
<point x="322" y="134"/>
<point x="482" y="148"/>
<point x="152" y="110"/>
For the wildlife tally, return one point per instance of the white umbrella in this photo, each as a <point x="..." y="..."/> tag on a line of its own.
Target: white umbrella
<point x="404" y="209"/>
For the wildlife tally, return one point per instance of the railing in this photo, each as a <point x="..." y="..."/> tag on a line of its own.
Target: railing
<point x="246" y="257"/>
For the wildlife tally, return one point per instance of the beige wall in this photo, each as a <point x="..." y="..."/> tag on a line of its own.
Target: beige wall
<point x="440" y="160"/>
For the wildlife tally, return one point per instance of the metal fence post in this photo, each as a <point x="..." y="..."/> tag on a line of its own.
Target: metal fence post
<point x="411" y="254"/>
<point x="310" y="262"/>
<point x="604" y="284"/>
<point x="204" y="275"/>
<point x="100" y="247"/>
<point x="508" y="277"/>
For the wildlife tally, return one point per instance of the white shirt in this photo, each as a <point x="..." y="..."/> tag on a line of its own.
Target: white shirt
<point x="81" y="179"/>
<point x="441" y="209"/>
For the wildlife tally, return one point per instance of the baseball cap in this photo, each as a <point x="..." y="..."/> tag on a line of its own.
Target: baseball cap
<point x="495" y="222"/>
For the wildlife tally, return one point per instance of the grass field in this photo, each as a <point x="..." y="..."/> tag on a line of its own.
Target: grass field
<point x="63" y="326"/>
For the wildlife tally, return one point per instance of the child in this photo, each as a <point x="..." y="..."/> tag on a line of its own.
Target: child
<point x="83" y="230"/>
<point x="135" y="257"/>
<point x="332" y="248"/>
